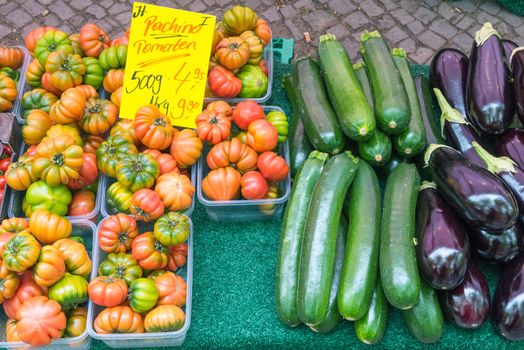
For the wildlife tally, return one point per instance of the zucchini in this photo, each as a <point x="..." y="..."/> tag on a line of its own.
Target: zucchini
<point x="320" y="121"/>
<point x="377" y="150"/>
<point x="355" y="116"/>
<point x="385" y="170"/>
<point x="425" y="321"/>
<point x="360" y="271"/>
<point x="371" y="328"/>
<point x="389" y="94"/>
<point x="433" y="131"/>
<point x="411" y="141"/>
<point x="398" y="265"/>
<point x="299" y="145"/>
<point x="333" y="317"/>
<point x="317" y="257"/>
<point x="291" y="238"/>
<point x="362" y="76"/>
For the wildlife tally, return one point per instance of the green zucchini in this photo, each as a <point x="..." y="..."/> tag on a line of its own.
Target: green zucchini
<point x="389" y="94"/>
<point x="360" y="271"/>
<point x="362" y="76"/>
<point x="355" y="116"/>
<point x="291" y="238"/>
<point x="299" y="145"/>
<point x="385" y="170"/>
<point x="317" y="257"/>
<point x="371" y="328"/>
<point x="425" y="99"/>
<point x="320" y="121"/>
<point x="333" y="317"/>
<point x="377" y="150"/>
<point x="398" y="265"/>
<point x="411" y="141"/>
<point x="425" y="321"/>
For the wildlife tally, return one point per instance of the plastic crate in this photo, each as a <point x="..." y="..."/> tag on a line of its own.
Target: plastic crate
<point x="284" y="50"/>
<point x="143" y="340"/>
<point x="20" y="86"/>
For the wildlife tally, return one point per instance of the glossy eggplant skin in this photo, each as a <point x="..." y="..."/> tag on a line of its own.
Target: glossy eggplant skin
<point x="508" y="302"/>
<point x="508" y="46"/>
<point x="489" y="91"/>
<point x="515" y="182"/>
<point x="442" y="249"/>
<point x="511" y="144"/>
<point x="468" y="304"/>
<point x="517" y="66"/>
<point x="480" y="197"/>
<point x="448" y="72"/>
<point x="498" y="247"/>
<point x="461" y="137"/>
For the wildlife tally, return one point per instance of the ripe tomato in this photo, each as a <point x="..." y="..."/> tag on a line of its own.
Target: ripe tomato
<point x="272" y="166"/>
<point x="254" y="186"/>
<point x="4" y="164"/>
<point x="246" y="112"/>
<point x="262" y="136"/>
<point x="2" y="181"/>
<point x="107" y="291"/>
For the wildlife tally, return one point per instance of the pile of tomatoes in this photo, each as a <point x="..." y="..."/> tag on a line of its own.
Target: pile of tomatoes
<point x="242" y="159"/>
<point x="236" y="67"/>
<point x="11" y="59"/>
<point x="149" y="159"/>
<point x="133" y="302"/>
<point x="43" y="278"/>
<point x="5" y="159"/>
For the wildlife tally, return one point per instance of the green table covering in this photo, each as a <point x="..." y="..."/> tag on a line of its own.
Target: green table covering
<point x="233" y="290"/>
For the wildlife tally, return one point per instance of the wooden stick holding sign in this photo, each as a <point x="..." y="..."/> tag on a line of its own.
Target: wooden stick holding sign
<point x="167" y="61"/>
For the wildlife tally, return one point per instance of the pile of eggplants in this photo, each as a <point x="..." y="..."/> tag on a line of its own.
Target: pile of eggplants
<point x="474" y="207"/>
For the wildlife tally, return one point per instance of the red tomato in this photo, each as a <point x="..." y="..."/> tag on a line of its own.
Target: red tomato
<point x="4" y="164"/>
<point x="272" y="166"/>
<point x="2" y="181"/>
<point x="254" y="186"/>
<point x="262" y="136"/>
<point x="247" y="111"/>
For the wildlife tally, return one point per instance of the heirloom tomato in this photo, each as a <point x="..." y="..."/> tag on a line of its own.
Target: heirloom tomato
<point x="26" y="290"/>
<point x="153" y="128"/>
<point x="38" y="99"/>
<point x="143" y="295"/>
<point x="272" y="166"/>
<point x="99" y="116"/>
<point x="107" y="291"/>
<point x="4" y="238"/>
<point x="52" y="41"/>
<point x="256" y="47"/>
<point x="113" y="57"/>
<point x="14" y="225"/>
<point x="113" y="80"/>
<point x="94" y="75"/>
<point x="91" y="144"/>
<point x="49" y="227"/>
<point x="146" y="205"/>
<point x="75" y="44"/>
<point x="88" y="90"/>
<point x="171" y="229"/>
<point x="88" y="173"/>
<point x="246" y="112"/>
<point x="273" y="193"/>
<point x="118" y="198"/>
<point x="172" y="289"/>
<point x="186" y="148"/>
<point x="50" y="266"/>
<point x="220" y="107"/>
<point x="125" y="128"/>
<point x="164" y="318"/>
<point x="111" y="151"/>
<point x="32" y="37"/>
<point x="9" y="282"/>
<point x="175" y="190"/>
<point x="223" y="83"/>
<point x="279" y="121"/>
<point x="70" y="130"/>
<point x="116" y="97"/>
<point x="149" y="252"/>
<point x="69" y="108"/>
<point x="40" y="195"/>
<point x="232" y="52"/>
<point x="254" y="186"/>
<point x="120" y="265"/>
<point x="12" y="57"/>
<point x="262" y="31"/>
<point x="83" y="203"/>
<point x="239" y="19"/>
<point x="93" y="40"/>
<point x="75" y="255"/>
<point x="116" y="233"/>
<point x="137" y="171"/>
<point x="213" y="127"/>
<point x="21" y="252"/>
<point x="234" y="154"/>
<point x="262" y="136"/>
<point x="8" y="93"/>
<point x="118" y="319"/>
<point x="222" y="184"/>
<point x="166" y="162"/>
<point x="70" y="291"/>
<point x="11" y="334"/>
<point x="177" y="256"/>
<point x="34" y="73"/>
<point x="36" y="124"/>
<point x="66" y="70"/>
<point x="76" y="322"/>
<point x="19" y="175"/>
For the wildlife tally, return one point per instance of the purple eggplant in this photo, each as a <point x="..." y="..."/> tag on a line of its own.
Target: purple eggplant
<point x="442" y="249"/>
<point x="508" y="302"/>
<point x="459" y="133"/>
<point x="448" y="73"/>
<point x="508" y="46"/>
<point x="498" y="247"/>
<point x="479" y="196"/>
<point x="517" y="66"/>
<point x="468" y="304"/>
<point x="511" y="144"/>
<point x="489" y="91"/>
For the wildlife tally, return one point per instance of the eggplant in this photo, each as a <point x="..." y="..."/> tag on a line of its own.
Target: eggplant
<point x="448" y="73"/>
<point x="468" y="304"/>
<point x="479" y="196"/>
<point x="505" y="168"/>
<point x="489" y="91"/>
<point x="517" y="66"/>
<point x="508" y="46"/>
<point x="442" y="249"/>
<point x="498" y="247"/>
<point x="511" y="144"/>
<point x="459" y="133"/>
<point x="508" y="302"/>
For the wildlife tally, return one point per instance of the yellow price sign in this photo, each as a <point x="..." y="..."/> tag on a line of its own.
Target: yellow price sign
<point x="167" y="61"/>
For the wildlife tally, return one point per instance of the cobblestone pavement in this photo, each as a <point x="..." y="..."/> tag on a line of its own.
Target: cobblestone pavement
<point x="420" y="27"/>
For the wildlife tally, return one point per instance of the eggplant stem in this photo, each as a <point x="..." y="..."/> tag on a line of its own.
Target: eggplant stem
<point x="495" y="165"/>
<point x="427" y="184"/>
<point x="515" y="51"/>
<point x="430" y="150"/>
<point x="449" y="114"/>
<point x="484" y="33"/>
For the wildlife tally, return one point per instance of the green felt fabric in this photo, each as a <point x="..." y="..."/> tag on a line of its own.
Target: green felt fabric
<point x="515" y="6"/>
<point x="233" y="286"/>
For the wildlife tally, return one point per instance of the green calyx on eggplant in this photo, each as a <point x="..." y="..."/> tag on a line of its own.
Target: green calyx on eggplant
<point x="508" y="301"/>
<point x="456" y="129"/>
<point x="498" y="247"/>
<point x="442" y="245"/>
<point x="489" y="91"/>
<point x="511" y="144"/>
<point x="468" y="304"/>
<point x="480" y="197"/>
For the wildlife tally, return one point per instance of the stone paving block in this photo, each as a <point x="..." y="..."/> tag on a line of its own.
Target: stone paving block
<point x="271" y="14"/>
<point x="343" y="7"/>
<point x="288" y="11"/>
<point x="423" y="55"/>
<point x="356" y="20"/>
<point x="466" y="5"/>
<point x="483" y="17"/>
<point x="384" y="22"/>
<point x="63" y="11"/>
<point x="463" y="22"/>
<point x="424" y="14"/>
<point x="319" y="20"/>
<point x="402" y="16"/>
<point x="106" y="3"/>
<point x="395" y="35"/>
<point x="446" y="11"/>
<point x="431" y="40"/>
<point x="371" y="8"/>
<point x="82" y="4"/>
<point x="33" y="8"/>
<point x="389" y="4"/>
<point x="491" y="7"/>
<point x="20" y="18"/>
<point x="339" y="30"/>
<point x="416" y="27"/>
<point x="4" y="30"/>
<point x="463" y="41"/>
<point x="197" y="6"/>
<point x="409" y="45"/>
<point x="443" y="28"/>
<point x="409" y="5"/>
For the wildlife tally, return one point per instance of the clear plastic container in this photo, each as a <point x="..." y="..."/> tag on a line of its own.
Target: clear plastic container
<point x="245" y="210"/>
<point x="143" y="340"/>
<point x="21" y="85"/>
<point x="86" y="230"/>
<point x="108" y="181"/>
<point x="268" y="57"/>
<point x="4" y="203"/>
<point x="16" y="198"/>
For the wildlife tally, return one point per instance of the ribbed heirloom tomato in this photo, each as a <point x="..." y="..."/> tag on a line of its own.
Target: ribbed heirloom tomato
<point x="32" y="37"/>
<point x="177" y="256"/>
<point x="149" y="253"/>
<point x="220" y="107"/>
<point x="42" y="196"/>
<point x="118" y="198"/>
<point x="21" y="252"/>
<point x="33" y="74"/>
<point x="120" y="265"/>
<point x="70" y="291"/>
<point x="8" y="93"/>
<point x="172" y="229"/>
<point x="239" y="19"/>
<point x="76" y="322"/>
<point x="113" y="80"/>
<point x="222" y="184"/>
<point x="52" y="41"/>
<point x="11" y="334"/>
<point x="88" y="90"/>
<point x="146" y="205"/>
<point x="9" y="282"/>
<point x="137" y="171"/>
<point x="70" y="107"/>
<point x="111" y="151"/>
<point x="172" y="289"/>
<point x="126" y="128"/>
<point x="116" y="233"/>
<point x="87" y="174"/>
<point x="35" y="126"/>
<point x="223" y="83"/>
<point x="272" y="166"/>
<point x="213" y="127"/>
<point x="113" y="57"/>
<point x="91" y="144"/>
<point x="93" y="40"/>
<point x="246" y="112"/>
<point x="254" y="186"/>
<point x="38" y="99"/>
<point x="49" y="227"/>
<point x="66" y="70"/>
<point x="143" y="295"/>
<point x="50" y="266"/>
<point x="75" y="255"/>
<point x="262" y="135"/>
<point x="14" y="225"/>
<point x="166" y="162"/>
<point x="107" y="291"/>
<point x="83" y="203"/>
<point x="70" y="130"/>
<point x="232" y="52"/>
<point x="118" y="319"/>
<point x="232" y="154"/>
<point x="165" y="318"/>
<point x="26" y="290"/>
<point x="175" y="190"/>
<point x="99" y="116"/>
<point x="153" y="128"/>
<point x="186" y="148"/>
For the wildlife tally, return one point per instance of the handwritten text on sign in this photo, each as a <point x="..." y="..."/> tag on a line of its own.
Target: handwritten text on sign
<point x="167" y="62"/>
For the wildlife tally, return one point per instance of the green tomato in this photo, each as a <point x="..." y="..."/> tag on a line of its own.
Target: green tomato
<point x="171" y="229"/>
<point x="254" y="82"/>
<point x="94" y="75"/>
<point x="118" y="198"/>
<point x="70" y="291"/>
<point x="10" y="72"/>
<point x="52" y="41"/>
<point x="137" y="171"/>
<point x="38" y="99"/>
<point x="53" y="198"/>
<point x="142" y="295"/>
<point x="120" y="265"/>
<point x="113" y="57"/>
<point x="279" y="121"/>
<point x="111" y="151"/>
